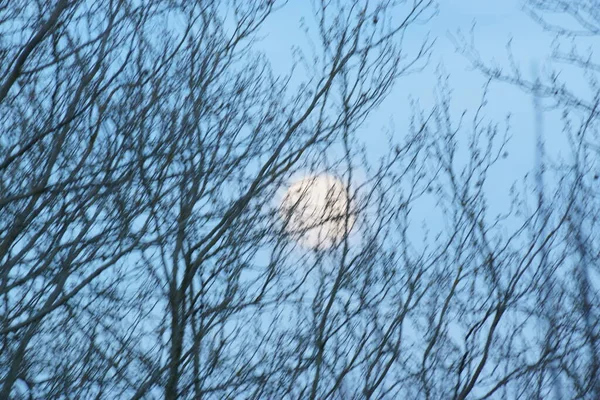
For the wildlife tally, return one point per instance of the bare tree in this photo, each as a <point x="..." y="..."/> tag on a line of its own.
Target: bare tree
<point x="572" y="332"/>
<point x="143" y="143"/>
<point x="144" y="252"/>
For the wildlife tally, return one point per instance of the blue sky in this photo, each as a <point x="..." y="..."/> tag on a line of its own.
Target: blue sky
<point x="495" y="23"/>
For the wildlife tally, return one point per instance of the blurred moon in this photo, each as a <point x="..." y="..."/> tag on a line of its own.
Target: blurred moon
<point x="315" y="210"/>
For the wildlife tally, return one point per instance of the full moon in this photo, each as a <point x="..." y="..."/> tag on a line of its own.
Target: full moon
<point x="315" y="210"/>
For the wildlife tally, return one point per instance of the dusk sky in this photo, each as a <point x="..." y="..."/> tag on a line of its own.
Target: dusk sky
<point x="495" y="23"/>
<point x="299" y="199"/>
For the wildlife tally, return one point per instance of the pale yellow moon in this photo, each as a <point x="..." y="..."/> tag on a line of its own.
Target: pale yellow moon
<point x="315" y="210"/>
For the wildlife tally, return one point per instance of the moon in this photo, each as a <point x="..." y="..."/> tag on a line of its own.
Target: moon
<point x="315" y="210"/>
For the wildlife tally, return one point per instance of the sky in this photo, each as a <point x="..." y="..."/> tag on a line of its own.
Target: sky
<point x="496" y="22"/>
